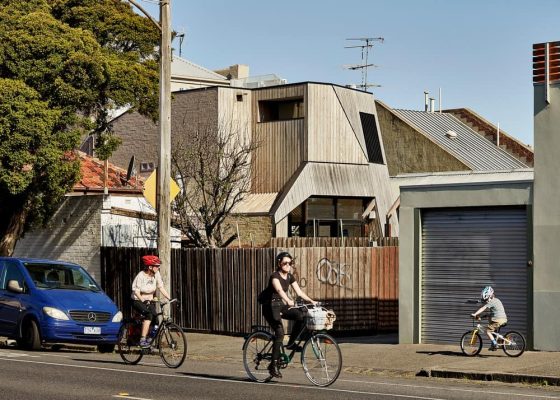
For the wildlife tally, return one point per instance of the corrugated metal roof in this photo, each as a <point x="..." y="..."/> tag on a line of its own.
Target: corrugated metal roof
<point x="185" y="68"/>
<point x="468" y="146"/>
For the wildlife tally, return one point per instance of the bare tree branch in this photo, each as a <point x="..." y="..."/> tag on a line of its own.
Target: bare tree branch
<point x="213" y="167"/>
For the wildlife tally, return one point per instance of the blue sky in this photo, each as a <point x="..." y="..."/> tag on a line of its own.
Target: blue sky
<point x="479" y="52"/>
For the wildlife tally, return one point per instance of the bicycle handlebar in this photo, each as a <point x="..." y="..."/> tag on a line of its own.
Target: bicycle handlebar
<point x="300" y="304"/>
<point x="163" y="303"/>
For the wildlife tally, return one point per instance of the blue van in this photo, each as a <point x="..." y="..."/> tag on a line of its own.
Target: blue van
<point x="45" y="301"/>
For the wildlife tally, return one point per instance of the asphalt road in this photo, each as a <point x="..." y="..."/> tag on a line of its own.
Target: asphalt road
<point x="82" y="375"/>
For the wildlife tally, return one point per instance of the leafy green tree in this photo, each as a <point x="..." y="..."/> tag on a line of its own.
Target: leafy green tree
<point x="64" y="64"/>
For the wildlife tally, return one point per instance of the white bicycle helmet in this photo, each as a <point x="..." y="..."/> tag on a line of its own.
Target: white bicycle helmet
<point x="486" y="293"/>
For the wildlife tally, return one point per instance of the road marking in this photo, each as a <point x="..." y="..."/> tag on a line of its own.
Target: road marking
<point x="447" y="389"/>
<point x="276" y="384"/>
<point x="17" y="354"/>
<point x="126" y="396"/>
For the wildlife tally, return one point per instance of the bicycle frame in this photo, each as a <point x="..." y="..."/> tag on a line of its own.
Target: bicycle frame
<point x="321" y="357"/>
<point x="500" y="339"/>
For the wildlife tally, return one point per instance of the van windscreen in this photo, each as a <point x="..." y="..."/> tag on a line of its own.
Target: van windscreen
<point x="60" y="276"/>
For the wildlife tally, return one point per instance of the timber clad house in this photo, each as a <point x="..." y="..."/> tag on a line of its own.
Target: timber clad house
<point x="319" y="169"/>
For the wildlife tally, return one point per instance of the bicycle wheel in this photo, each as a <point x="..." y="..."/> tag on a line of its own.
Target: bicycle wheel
<point x="127" y="345"/>
<point x="172" y="344"/>
<point x="514" y="344"/>
<point x="257" y="353"/>
<point x="471" y="343"/>
<point x="321" y="359"/>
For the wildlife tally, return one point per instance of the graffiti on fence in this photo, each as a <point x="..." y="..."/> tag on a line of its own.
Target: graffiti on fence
<point x="334" y="273"/>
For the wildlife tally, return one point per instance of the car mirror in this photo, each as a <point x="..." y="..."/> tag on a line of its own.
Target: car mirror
<point x="13" y="286"/>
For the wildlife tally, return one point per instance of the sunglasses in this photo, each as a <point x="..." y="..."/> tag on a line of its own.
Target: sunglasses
<point x="287" y="263"/>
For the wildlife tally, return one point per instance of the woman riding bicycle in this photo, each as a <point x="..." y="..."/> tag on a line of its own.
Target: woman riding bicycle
<point x="143" y="289"/>
<point x="276" y="305"/>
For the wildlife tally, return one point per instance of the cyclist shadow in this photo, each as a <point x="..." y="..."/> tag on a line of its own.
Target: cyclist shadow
<point x="442" y="353"/>
<point x="216" y="376"/>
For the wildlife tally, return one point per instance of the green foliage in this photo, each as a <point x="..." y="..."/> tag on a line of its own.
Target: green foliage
<point x="64" y="64"/>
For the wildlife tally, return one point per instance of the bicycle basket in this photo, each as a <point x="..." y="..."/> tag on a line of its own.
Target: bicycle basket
<point x="319" y="318"/>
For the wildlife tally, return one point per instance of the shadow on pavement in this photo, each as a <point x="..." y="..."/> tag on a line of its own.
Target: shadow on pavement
<point x="442" y="353"/>
<point x="214" y="376"/>
<point x="388" y="338"/>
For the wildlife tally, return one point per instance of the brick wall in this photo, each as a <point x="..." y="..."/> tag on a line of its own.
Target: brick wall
<point x="190" y="110"/>
<point x="257" y="228"/>
<point x="73" y="234"/>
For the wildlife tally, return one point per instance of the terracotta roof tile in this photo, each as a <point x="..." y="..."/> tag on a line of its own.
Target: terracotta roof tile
<point x="92" y="176"/>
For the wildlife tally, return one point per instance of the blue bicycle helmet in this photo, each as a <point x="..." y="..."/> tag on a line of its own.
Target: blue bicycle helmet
<point x="486" y="293"/>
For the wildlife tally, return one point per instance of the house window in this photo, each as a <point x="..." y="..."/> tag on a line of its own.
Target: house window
<point x="239" y="97"/>
<point x="373" y="145"/>
<point x="281" y="110"/>
<point x="327" y="216"/>
<point x="147" y="167"/>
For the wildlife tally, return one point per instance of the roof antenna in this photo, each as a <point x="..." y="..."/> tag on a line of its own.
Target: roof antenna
<point x="181" y="36"/>
<point x="368" y="43"/>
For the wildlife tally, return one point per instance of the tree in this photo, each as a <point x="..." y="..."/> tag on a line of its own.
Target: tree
<point x="212" y="165"/>
<point x="64" y="64"/>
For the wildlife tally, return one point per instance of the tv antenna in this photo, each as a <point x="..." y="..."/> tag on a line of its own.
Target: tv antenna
<point x="181" y="36"/>
<point x="367" y="43"/>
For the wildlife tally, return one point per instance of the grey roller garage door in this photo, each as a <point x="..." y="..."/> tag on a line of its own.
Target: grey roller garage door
<point x="464" y="250"/>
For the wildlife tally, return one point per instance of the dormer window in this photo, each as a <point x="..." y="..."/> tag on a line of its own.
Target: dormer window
<point x="281" y="110"/>
<point x="147" y="167"/>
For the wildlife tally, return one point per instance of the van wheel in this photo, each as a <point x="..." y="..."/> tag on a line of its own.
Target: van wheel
<point x="30" y="338"/>
<point x="105" y="348"/>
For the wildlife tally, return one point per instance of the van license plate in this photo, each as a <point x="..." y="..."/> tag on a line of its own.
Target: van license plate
<point x="92" y="330"/>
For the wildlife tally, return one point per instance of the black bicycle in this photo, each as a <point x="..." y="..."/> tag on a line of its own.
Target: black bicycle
<point x="321" y="358"/>
<point x="169" y="340"/>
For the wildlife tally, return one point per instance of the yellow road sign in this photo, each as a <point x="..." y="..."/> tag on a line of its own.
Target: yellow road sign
<point x="150" y="189"/>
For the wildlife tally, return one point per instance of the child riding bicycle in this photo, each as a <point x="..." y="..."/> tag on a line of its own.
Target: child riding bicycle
<point x="497" y="315"/>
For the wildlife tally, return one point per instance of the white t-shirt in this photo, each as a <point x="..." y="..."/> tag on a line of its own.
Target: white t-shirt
<point x="147" y="285"/>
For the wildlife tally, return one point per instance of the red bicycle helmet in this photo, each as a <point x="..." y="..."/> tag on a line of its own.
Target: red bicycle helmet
<point x="151" y="260"/>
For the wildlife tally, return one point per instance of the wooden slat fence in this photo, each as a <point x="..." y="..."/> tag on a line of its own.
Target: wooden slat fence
<point x="294" y="241"/>
<point x="217" y="288"/>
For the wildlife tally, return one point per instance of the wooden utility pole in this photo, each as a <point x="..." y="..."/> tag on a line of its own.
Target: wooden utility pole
<point x="164" y="170"/>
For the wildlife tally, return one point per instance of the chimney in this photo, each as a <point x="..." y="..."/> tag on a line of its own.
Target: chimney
<point x="432" y="104"/>
<point x="426" y="105"/>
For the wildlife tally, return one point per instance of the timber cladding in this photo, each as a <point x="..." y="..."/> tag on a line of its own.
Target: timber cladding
<point x="217" y="288"/>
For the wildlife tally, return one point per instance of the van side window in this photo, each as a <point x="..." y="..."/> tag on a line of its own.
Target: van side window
<point x="11" y="272"/>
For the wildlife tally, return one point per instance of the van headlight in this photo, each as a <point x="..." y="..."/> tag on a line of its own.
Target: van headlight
<point x="55" y="313"/>
<point x="117" y="317"/>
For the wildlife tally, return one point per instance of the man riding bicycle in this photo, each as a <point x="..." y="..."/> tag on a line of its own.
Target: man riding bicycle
<point x="497" y="315"/>
<point x="276" y="305"/>
<point x="143" y="289"/>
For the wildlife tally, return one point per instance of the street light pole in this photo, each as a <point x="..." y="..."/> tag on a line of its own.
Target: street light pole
<point x="164" y="170"/>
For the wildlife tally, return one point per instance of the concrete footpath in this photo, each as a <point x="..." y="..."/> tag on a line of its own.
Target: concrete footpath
<point x="381" y="355"/>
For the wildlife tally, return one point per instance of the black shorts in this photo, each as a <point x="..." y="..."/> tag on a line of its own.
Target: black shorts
<point x="146" y="308"/>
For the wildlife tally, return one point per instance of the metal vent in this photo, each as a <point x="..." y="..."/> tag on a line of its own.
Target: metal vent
<point x="451" y="134"/>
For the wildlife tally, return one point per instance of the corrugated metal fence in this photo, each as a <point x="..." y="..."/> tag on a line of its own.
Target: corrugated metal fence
<point x="217" y="288"/>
